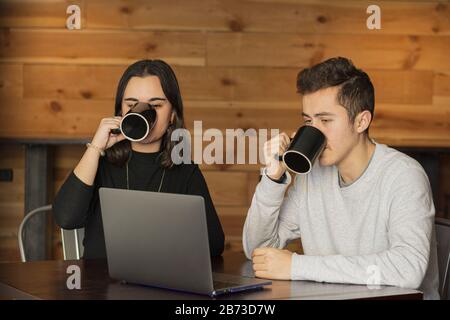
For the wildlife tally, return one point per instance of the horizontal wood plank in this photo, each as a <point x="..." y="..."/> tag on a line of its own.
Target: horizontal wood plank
<point x="343" y="17"/>
<point x="339" y="17"/>
<point x="302" y="50"/>
<point x="224" y="49"/>
<point x="100" y="47"/>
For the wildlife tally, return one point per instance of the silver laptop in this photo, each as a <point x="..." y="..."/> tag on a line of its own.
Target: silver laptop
<point x="161" y="240"/>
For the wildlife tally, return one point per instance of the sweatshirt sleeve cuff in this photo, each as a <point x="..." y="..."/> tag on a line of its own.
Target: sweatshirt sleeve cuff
<point x="304" y="267"/>
<point x="270" y="189"/>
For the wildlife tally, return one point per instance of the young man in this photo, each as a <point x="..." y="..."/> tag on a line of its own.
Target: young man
<point x="364" y="213"/>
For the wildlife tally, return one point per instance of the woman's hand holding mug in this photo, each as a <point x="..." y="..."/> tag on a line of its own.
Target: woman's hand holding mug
<point x="103" y="137"/>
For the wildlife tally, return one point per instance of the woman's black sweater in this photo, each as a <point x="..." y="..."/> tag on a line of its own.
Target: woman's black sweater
<point x="77" y="205"/>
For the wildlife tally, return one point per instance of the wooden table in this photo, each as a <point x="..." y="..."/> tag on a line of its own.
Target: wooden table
<point x="47" y="280"/>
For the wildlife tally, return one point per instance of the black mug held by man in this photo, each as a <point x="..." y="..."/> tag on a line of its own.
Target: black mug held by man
<point x="304" y="148"/>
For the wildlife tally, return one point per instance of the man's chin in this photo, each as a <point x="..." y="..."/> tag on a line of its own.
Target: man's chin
<point x="325" y="161"/>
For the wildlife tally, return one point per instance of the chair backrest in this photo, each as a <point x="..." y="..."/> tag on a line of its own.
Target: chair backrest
<point x="72" y="240"/>
<point x="72" y="243"/>
<point x="443" y="251"/>
<point x="20" y="234"/>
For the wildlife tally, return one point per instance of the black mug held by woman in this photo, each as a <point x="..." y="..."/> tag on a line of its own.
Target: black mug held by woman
<point x="304" y="148"/>
<point x="137" y="123"/>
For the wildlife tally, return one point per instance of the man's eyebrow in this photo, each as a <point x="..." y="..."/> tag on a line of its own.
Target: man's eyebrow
<point x="319" y="114"/>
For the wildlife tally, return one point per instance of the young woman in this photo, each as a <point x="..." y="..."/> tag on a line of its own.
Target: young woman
<point x="144" y="165"/>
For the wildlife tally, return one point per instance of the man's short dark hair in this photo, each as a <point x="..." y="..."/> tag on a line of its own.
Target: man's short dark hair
<point x="356" y="92"/>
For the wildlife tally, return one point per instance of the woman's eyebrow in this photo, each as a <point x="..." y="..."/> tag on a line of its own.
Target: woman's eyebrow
<point x="156" y="99"/>
<point x="152" y="99"/>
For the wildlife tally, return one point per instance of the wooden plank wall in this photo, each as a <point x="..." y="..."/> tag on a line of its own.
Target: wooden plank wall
<point x="236" y="62"/>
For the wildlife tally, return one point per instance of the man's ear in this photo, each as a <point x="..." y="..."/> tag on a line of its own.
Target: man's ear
<point x="362" y="121"/>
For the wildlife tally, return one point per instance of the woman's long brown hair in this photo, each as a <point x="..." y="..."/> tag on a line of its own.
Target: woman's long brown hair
<point x="120" y="152"/>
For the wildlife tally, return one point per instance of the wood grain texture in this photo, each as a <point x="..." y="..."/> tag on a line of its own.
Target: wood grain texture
<point x="336" y="17"/>
<point x="100" y="47"/>
<point x="219" y="83"/>
<point x="302" y="50"/>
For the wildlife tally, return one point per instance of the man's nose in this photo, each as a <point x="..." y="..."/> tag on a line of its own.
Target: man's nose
<point x="315" y="124"/>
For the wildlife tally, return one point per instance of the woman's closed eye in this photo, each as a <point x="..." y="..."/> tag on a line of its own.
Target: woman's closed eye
<point x="131" y="106"/>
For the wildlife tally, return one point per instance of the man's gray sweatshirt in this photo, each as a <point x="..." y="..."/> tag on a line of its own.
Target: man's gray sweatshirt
<point x="381" y="225"/>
